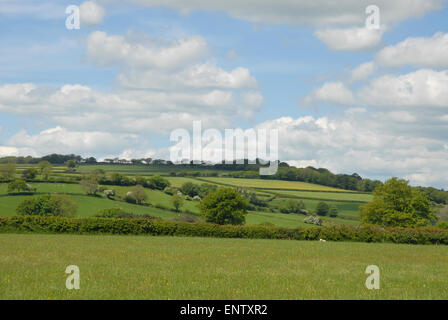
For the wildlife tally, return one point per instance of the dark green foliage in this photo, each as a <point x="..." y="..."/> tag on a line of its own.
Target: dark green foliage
<point x="333" y="211"/>
<point x="224" y="206"/>
<point x="172" y="228"/>
<point x="47" y="205"/>
<point x="397" y="204"/>
<point x="20" y="186"/>
<point x="157" y="182"/>
<point x="120" y="213"/>
<point x="190" y="189"/>
<point x="29" y="173"/>
<point x="322" y="208"/>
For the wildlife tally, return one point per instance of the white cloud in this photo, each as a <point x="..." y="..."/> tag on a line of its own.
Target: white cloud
<point x="332" y="92"/>
<point x="363" y="71"/>
<point x="144" y="53"/>
<point x="61" y="140"/>
<point x="422" y="88"/>
<point x="91" y="13"/>
<point x="304" y="12"/>
<point x="351" y="39"/>
<point x="421" y="52"/>
<point x="371" y="144"/>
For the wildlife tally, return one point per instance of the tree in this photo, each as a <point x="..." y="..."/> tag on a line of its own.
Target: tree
<point x="19" y="185"/>
<point x="29" y="173"/>
<point x="322" y="209"/>
<point x="294" y="206"/>
<point x="71" y="165"/>
<point x="8" y="171"/>
<point x="396" y="203"/>
<point x="224" y="206"/>
<point x="190" y="189"/>
<point x="334" y="211"/>
<point x="177" y="202"/>
<point x="45" y="169"/>
<point x="158" y="182"/>
<point x="47" y="205"/>
<point x="139" y="193"/>
<point x="90" y="186"/>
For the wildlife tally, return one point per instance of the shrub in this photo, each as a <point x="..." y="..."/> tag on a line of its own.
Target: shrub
<point x="90" y="186"/>
<point x="442" y="225"/>
<point x="322" y="208"/>
<point x="177" y="202"/>
<point x="190" y="189"/>
<point x="47" y="205"/>
<point x="333" y="211"/>
<point x="139" y="194"/>
<point x="158" y="182"/>
<point x="140" y="225"/>
<point x="20" y="186"/>
<point x="313" y="220"/>
<point x="120" y="213"/>
<point x="224" y="206"/>
<point x="29" y="173"/>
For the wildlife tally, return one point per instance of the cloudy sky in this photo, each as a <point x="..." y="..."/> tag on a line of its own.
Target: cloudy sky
<point x="343" y="96"/>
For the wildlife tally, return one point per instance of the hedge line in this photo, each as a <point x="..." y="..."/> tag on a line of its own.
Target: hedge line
<point x="172" y="228"/>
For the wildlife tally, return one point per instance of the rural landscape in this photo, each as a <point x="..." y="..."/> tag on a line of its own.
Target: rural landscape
<point x="223" y="159"/>
<point x="73" y="212"/>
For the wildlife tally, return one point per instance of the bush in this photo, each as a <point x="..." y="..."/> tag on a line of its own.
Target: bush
<point x="90" y="186"/>
<point x="29" y="174"/>
<point x="190" y="189"/>
<point x="20" y="186"/>
<point x="322" y="208"/>
<point x="47" y="205"/>
<point x="157" y="182"/>
<point x="139" y="226"/>
<point x="139" y="194"/>
<point x="120" y="213"/>
<point x="177" y="202"/>
<point x="334" y="211"/>
<point x="313" y="220"/>
<point x="224" y="206"/>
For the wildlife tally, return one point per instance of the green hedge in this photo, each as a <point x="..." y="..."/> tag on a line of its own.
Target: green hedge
<point x="173" y="228"/>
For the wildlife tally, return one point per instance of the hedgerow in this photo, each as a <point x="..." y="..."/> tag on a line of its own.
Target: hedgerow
<point x="157" y="227"/>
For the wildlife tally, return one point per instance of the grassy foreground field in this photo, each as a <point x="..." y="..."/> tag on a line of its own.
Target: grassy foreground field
<point x="141" y="267"/>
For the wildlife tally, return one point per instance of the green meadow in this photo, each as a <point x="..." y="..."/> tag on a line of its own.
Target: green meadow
<point x="144" y="267"/>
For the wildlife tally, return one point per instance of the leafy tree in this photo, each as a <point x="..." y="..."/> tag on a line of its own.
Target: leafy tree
<point x="71" y="164"/>
<point x="224" y="206"/>
<point x="8" y="171"/>
<point x="177" y="202"/>
<point x="158" y="182"/>
<point x="19" y="185"/>
<point x="294" y="206"/>
<point x="47" y="205"/>
<point x="334" y="211"/>
<point x="29" y="173"/>
<point x="139" y="193"/>
<point x="190" y="189"/>
<point x="90" y="186"/>
<point x="396" y="203"/>
<point x="322" y="209"/>
<point x="45" y="169"/>
<point x="99" y="175"/>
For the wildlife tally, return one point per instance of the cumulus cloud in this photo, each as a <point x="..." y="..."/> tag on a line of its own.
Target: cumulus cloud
<point x="422" y="88"/>
<point x="142" y="52"/>
<point x="91" y="13"/>
<point x="332" y="92"/>
<point x="420" y="52"/>
<point x="363" y="71"/>
<point x="351" y="39"/>
<point x="371" y="144"/>
<point x="303" y="12"/>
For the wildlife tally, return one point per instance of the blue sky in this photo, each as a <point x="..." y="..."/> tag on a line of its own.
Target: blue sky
<point x="342" y="97"/>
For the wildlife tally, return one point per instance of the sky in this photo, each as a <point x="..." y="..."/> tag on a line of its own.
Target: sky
<point x="342" y="95"/>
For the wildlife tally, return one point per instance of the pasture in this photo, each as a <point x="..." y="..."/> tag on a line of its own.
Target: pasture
<point x="144" y="267"/>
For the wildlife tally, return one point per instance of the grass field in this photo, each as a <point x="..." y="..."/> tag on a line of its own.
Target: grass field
<point x="271" y="184"/>
<point x="132" y="267"/>
<point x="326" y="196"/>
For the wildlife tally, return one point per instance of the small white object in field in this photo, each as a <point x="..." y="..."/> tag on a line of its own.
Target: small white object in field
<point x="322" y="240"/>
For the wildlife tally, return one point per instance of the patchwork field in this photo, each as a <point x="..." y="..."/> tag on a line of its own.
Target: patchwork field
<point x="132" y="267"/>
